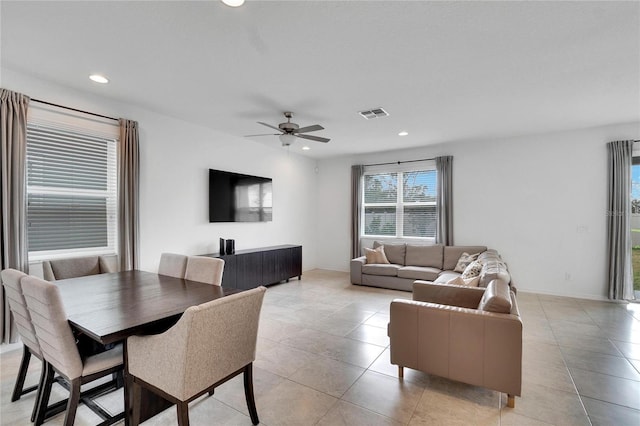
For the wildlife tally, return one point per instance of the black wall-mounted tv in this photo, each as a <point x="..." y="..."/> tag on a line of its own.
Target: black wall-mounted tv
<point x="234" y="197"/>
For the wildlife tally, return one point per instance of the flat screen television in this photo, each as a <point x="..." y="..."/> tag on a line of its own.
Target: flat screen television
<point x="234" y="197"/>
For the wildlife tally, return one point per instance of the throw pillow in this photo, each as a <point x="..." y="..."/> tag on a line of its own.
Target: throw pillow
<point x="469" y="282"/>
<point x="464" y="261"/>
<point x="473" y="270"/>
<point x="375" y="255"/>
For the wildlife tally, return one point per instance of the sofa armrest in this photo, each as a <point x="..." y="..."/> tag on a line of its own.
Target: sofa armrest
<point x="356" y="269"/>
<point x="447" y="294"/>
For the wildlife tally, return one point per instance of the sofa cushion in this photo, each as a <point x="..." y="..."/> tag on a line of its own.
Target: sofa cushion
<point x="496" y="298"/>
<point x="394" y="252"/>
<point x="464" y="261"/>
<point x="375" y="255"/>
<point x="446" y="276"/>
<point x="473" y="270"/>
<point x="489" y="254"/>
<point x="418" y="273"/>
<point x="494" y="270"/>
<point x="430" y="256"/>
<point x="389" y="270"/>
<point x="453" y="253"/>
<point x="469" y="282"/>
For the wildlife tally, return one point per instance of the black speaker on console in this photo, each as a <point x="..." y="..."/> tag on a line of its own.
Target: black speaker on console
<point x="222" y="242"/>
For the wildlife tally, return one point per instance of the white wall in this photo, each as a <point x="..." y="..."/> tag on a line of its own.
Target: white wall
<point x="175" y="158"/>
<point x="539" y="200"/>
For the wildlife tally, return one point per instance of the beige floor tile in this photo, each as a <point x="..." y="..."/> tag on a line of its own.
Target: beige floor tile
<point x="327" y="375"/>
<point x="604" y="414"/>
<point x="385" y="395"/>
<point x="290" y="403"/>
<point x="346" y="414"/>
<point x="607" y="388"/>
<point x="600" y="363"/>
<point x="629" y="350"/>
<point x="509" y="418"/>
<point x="549" y="405"/>
<point x="370" y="334"/>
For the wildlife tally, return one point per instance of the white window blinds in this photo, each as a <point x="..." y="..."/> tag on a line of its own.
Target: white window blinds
<point x="71" y="187"/>
<point x="400" y="203"/>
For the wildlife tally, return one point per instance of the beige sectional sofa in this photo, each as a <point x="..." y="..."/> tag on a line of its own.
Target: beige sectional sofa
<point x="430" y="263"/>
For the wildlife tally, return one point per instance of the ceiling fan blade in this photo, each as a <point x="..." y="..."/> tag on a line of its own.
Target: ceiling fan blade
<point x="263" y="134"/>
<point x="309" y="129"/>
<point x="269" y="125"/>
<point x="313" y="138"/>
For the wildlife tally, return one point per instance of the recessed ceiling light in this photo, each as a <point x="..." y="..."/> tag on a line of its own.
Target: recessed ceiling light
<point x="403" y="133"/>
<point x="99" y="78"/>
<point x="233" y="3"/>
<point x="306" y="148"/>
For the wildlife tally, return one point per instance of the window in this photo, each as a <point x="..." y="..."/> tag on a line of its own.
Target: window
<point x="400" y="203"/>
<point x="71" y="186"/>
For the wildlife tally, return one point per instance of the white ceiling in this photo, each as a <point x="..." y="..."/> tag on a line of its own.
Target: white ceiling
<point x="445" y="71"/>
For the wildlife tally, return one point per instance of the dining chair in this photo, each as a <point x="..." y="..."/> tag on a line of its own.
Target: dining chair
<point x="204" y="269"/>
<point x="61" y="355"/>
<point x="210" y="344"/>
<point x="172" y="265"/>
<point x="60" y="269"/>
<point x="18" y="306"/>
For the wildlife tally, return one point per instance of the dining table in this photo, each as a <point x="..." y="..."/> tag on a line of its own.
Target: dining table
<point x="110" y="307"/>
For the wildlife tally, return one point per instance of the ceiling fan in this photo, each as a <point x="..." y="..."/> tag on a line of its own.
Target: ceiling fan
<point x="290" y="131"/>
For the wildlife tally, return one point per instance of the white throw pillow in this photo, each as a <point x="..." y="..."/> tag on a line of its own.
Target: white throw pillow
<point x="472" y="271"/>
<point x="464" y="261"/>
<point x="376" y="255"/>
<point x="469" y="282"/>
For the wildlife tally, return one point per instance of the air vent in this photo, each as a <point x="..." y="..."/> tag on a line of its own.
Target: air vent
<point x="374" y="113"/>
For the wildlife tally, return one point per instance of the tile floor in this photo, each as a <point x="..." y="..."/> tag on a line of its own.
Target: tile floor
<point x="323" y="359"/>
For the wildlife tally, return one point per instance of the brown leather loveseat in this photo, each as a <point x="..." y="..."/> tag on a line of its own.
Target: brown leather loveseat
<point x="468" y="334"/>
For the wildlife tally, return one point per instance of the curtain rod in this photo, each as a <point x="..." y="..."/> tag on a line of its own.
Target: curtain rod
<point x="74" y="109"/>
<point x="399" y="162"/>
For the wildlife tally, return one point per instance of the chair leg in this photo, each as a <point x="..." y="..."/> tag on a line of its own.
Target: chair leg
<point x="248" y="393"/>
<point x="45" y="393"/>
<point x="511" y="401"/>
<point x="136" y="396"/>
<point x="183" y="413"/>
<point x="212" y="391"/>
<point x="36" y="405"/>
<point x="72" y="404"/>
<point x="22" y="374"/>
<point x="400" y="371"/>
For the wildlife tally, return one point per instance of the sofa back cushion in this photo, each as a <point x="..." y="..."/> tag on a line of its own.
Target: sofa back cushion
<point x="418" y="255"/>
<point x="395" y="252"/>
<point x="453" y="253"/>
<point x="494" y="270"/>
<point x="496" y="298"/>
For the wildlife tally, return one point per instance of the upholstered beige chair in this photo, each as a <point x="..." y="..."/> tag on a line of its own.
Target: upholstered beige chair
<point x="60" y="269"/>
<point x="468" y="334"/>
<point x="172" y="265"/>
<point x="60" y="353"/>
<point x="13" y="291"/>
<point x="210" y="344"/>
<point x="204" y="269"/>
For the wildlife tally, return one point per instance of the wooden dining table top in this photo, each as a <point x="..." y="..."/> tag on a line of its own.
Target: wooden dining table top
<point x="111" y="307"/>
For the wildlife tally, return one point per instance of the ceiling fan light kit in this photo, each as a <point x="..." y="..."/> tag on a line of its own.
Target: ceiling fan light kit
<point x="290" y="131"/>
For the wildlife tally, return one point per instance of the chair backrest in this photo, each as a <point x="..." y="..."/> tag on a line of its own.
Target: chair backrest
<point x="172" y="265"/>
<point x="204" y="269"/>
<point x="52" y="328"/>
<point x="18" y="305"/>
<point x="60" y="269"/>
<point x="208" y="343"/>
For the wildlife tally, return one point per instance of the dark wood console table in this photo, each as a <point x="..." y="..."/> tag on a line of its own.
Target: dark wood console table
<point x="251" y="268"/>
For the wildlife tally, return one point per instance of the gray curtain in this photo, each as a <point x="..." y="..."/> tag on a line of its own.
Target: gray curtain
<point x="620" y="273"/>
<point x="13" y="138"/>
<point x="356" y="208"/>
<point x="128" y="195"/>
<point x="444" y="206"/>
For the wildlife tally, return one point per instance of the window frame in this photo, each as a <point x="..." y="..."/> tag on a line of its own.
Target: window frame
<point x="62" y="120"/>
<point x="400" y="169"/>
